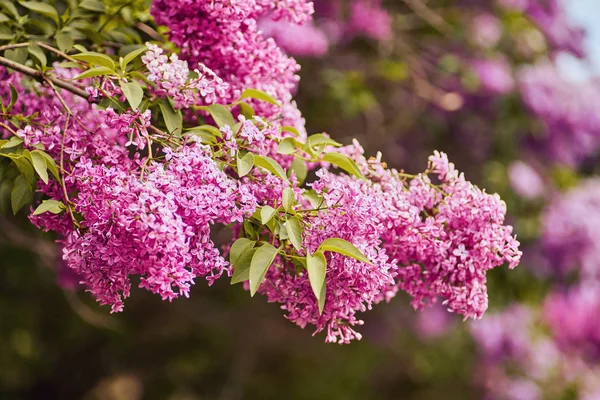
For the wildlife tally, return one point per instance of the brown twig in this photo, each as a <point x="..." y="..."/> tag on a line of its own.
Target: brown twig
<point x="39" y="75"/>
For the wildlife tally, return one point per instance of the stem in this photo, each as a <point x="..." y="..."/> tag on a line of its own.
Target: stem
<point x="62" y="151"/>
<point x="8" y="128"/>
<point x="39" y="75"/>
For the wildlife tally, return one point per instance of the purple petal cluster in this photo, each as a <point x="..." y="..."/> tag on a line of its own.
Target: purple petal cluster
<point x="224" y="36"/>
<point x="570" y="231"/>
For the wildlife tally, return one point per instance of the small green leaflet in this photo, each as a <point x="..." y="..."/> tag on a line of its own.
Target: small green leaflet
<point x="220" y="114"/>
<point x="299" y="169"/>
<point x="93" y="72"/>
<point x="245" y="164"/>
<point x="344" y="162"/>
<point x="266" y="213"/>
<point x="20" y="195"/>
<point x="271" y="165"/>
<point x="288" y="200"/>
<point x="287" y="146"/>
<point x="173" y="119"/>
<point x="52" y="206"/>
<point x="64" y="41"/>
<point x="316" y="265"/>
<point x="40" y="166"/>
<point x="343" y="247"/>
<point x="133" y="55"/>
<point x="241" y="271"/>
<point x="95" y="58"/>
<point x="294" y="231"/>
<point x="259" y="95"/>
<point x="41" y="8"/>
<point x="92" y="5"/>
<point x="133" y="92"/>
<point x="261" y="261"/>
<point x="238" y="248"/>
<point x="38" y="53"/>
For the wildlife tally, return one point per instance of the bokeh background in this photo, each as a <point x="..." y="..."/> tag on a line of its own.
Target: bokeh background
<point x="510" y="90"/>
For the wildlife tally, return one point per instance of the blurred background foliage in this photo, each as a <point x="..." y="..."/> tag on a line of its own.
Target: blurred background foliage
<point x="404" y="78"/>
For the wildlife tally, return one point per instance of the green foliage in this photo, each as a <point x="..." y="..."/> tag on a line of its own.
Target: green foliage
<point x="261" y="261"/>
<point x="316" y="265"/>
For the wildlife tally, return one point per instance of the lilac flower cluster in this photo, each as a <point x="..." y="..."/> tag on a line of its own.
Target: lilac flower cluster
<point x="224" y="36"/>
<point x="567" y="110"/>
<point x="570" y="230"/>
<point x="551" y="18"/>
<point x="172" y="77"/>
<point x="430" y="241"/>
<point x="518" y="359"/>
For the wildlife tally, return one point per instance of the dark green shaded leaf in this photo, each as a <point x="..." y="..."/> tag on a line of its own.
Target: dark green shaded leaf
<point x="21" y="194"/>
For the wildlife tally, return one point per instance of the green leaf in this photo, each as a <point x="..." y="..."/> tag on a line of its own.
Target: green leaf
<point x="238" y="248"/>
<point x="207" y="133"/>
<point x="259" y="95"/>
<point x="96" y="59"/>
<point x="291" y="130"/>
<point x="133" y="92"/>
<point x="261" y="261"/>
<point x="299" y="168"/>
<point x="294" y="231"/>
<point x="173" y="119"/>
<point x="92" y="5"/>
<point x="38" y="53"/>
<point x="320" y="140"/>
<point x="245" y="164"/>
<point x="40" y="166"/>
<point x="344" y="162"/>
<point x="343" y="247"/>
<point x="133" y="55"/>
<point x="266" y="213"/>
<point x="316" y="265"/>
<point x="220" y="114"/>
<point x="241" y="271"/>
<point x="52" y="206"/>
<point x="14" y="96"/>
<point x="246" y="109"/>
<point x="288" y="200"/>
<point x="9" y="7"/>
<point x="14" y="141"/>
<point x="270" y="165"/>
<point x="287" y="146"/>
<point x="97" y="71"/>
<point x="3" y="17"/>
<point x="21" y="194"/>
<point x="18" y="55"/>
<point x="64" y="41"/>
<point x="24" y="166"/>
<point x="41" y="8"/>
<point x="50" y="163"/>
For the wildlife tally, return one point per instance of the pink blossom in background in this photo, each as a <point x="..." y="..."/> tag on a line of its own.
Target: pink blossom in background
<point x="298" y="40"/>
<point x="568" y="111"/>
<point x="525" y="180"/>
<point x="570" y="231"/>
<point x="495" y="75"/>
<point x="368" y="18"/>
<point x="486" y="30"/>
